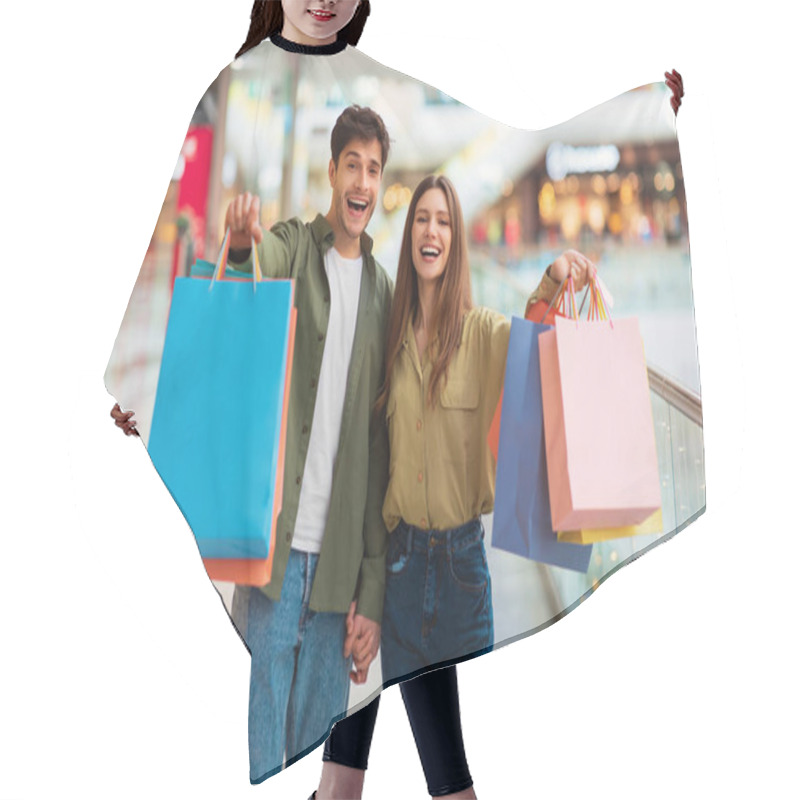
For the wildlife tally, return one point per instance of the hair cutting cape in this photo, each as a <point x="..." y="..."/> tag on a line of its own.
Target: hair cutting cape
<point x="607" y="183"/>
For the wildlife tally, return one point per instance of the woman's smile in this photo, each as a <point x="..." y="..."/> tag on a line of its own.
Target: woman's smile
<point x="431" y="235"/>
<point x="320" y="15"/>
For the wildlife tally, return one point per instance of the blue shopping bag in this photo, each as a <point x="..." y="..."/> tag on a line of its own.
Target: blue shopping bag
<point x="522" y="522"/>
<point x="219" y="405"/>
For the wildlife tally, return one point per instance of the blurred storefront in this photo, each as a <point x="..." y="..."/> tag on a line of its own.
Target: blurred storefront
<point x="581" y="196"/>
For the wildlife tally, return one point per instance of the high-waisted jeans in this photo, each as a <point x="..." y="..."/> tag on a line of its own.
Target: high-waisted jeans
<point x="438" y="609"/>
<point x="438" y="606"/>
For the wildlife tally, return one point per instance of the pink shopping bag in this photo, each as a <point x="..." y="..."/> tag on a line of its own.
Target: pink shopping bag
<point x="602" y="465"/>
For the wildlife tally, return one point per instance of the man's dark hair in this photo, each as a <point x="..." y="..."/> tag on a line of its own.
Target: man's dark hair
<point x="356" y="122"/>
<point x="266" y="19"/>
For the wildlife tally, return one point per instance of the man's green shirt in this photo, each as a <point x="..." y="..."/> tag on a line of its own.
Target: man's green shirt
<point x="352" y="560"/>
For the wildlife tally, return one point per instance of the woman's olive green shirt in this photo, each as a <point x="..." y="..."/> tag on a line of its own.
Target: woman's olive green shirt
<point x="441" y="471"/>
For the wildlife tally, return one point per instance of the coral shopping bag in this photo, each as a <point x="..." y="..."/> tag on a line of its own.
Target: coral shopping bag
<point x="521" y="522"/>
<point x="219" y="415"/>
<point x="602" y="465"/>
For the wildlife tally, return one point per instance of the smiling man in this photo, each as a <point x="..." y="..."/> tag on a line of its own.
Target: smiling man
<point x="325" y="600"/>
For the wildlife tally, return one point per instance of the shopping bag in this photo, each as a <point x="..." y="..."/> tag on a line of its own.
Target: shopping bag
<point x="252" y="571"/>
<point x="541" y="312"/>
<point x="653" y="524"/>
<point x="522" y="522"/>
<point x="220" y="407"/>
<point x="600" y="441"/>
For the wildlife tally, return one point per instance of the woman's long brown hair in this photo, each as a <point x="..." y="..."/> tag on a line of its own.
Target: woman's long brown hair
<point x="453" y="294"/>
<point x="266" y="19"/>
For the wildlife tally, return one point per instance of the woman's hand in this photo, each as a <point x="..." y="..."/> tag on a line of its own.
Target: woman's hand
<point x="571" y="262"/>
<point x="242" y="217"/>
<point x="124" y="420"/>
<point x="675" y="82"/>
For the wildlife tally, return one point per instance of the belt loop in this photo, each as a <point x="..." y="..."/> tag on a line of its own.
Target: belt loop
<point x="409" y="540"/>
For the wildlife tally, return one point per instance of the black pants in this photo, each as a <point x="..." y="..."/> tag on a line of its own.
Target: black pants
<point x="433" y="711"/>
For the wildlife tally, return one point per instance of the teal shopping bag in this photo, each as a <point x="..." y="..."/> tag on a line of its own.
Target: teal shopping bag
<point x="218" y="410"/>
<point x="521" y="523"/>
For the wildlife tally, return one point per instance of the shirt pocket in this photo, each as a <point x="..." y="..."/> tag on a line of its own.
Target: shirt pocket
<point x="460" y="394"/>
<point x="455" y="439"/>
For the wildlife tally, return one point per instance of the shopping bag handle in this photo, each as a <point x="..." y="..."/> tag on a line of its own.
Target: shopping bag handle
<point x="222" y="261"/>
<point x="566" y="289"/>
<point x="599" y="303"/>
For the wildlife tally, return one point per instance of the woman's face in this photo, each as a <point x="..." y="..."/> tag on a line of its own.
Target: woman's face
<point x="431" y="234"/>
<point x="315" y="22"/>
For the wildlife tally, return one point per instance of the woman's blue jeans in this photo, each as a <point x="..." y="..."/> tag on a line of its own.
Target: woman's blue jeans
<point x="438" y="606"/>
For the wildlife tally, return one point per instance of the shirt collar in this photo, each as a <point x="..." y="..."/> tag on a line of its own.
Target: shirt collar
<point x="323" y="235"/>
<point x="410" y="343"/>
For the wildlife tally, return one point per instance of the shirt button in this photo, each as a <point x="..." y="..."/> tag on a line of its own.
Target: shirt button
<point x="297" y="480"/>
<point x="327" y="298"/>
<point x="419" y="476"/>
<point x="288" y="536"/>
<point x="305" y="428"/>
<point x="320" y="337"/>
<point x="419" y="424"/>
<point x="313" y="383"/>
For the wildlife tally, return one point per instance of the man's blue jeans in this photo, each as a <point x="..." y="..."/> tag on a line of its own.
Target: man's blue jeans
<point x="298" y="676"/>
<point x="438" y="605"/>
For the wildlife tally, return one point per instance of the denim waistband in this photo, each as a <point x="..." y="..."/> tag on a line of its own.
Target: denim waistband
<point x="453" y="539"/>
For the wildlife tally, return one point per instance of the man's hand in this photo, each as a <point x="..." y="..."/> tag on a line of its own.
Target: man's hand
<point x="675" y="83"/>
<point x="242" y="217"/>
<point x="124" y="420"/>
<point x="362" y="641"/>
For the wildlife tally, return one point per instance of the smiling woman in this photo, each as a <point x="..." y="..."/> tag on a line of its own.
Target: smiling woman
<point x="434" y="237"/>
<point x="316" y="21"/>
<point x="431" y="235"/>
<point x="306" y="22"/>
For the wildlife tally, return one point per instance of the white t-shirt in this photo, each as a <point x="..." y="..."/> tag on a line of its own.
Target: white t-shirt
<point x="344" y="280"/>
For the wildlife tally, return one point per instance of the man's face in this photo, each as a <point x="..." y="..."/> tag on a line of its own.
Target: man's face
<point x="355" y="181"/>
